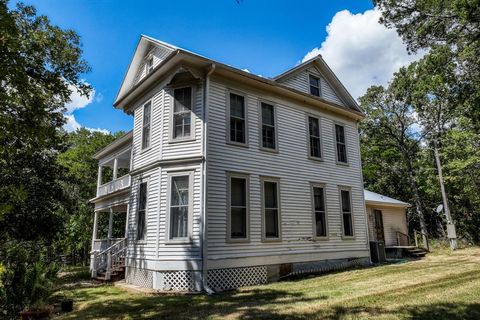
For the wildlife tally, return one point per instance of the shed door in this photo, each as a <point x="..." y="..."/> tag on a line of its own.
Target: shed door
<point x="379" y="225"/>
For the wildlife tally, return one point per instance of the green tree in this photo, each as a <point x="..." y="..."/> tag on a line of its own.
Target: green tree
<point x="450" y="28"/>
<point x="40" y="63"/>
<point x="80" y="182"/>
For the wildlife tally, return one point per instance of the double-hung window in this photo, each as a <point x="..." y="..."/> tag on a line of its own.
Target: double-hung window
<point x="182" y="113"/>
<point x="314" y="85"/>
<point x="238" y="207"/>
<point x="237" y="121"/>
<point x="314" y="138"/>
<point x="319" y="212"/>
<point x="146" y="125"/>
<point x="341" y="145"/>
<point x="268" y="126"/>
<point x="141" y="211"/>
<point x="180" y="206"/>
<point x="271" y="209"/>
<point x="346" y="206"/>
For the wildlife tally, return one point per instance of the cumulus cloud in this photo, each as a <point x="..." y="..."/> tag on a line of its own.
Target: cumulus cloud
<point x="79" y="101"/>
<point x="361" y="51"/>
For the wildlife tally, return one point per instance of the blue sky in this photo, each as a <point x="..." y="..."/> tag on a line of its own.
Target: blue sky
<point x="265" y="37"/>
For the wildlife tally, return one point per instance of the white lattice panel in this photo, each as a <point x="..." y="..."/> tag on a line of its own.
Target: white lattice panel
<point x="139" y="277"/>
<point x="178" y="281"/>
<point x="232" y="278"/>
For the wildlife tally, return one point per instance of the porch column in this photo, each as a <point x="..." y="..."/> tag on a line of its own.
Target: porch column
<point x="99" y="177"/>
<point x="110" y="225"/>
<point x="126" y="221"/>
<point x="115" y="168"/>
<point x="95" y="228"/>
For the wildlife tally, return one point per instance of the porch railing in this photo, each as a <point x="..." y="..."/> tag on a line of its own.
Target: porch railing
<point x="115" y="185"/>
<point x="403" y="239"/>
<point x="110" y="258"/>
<point x="423" y="243"/>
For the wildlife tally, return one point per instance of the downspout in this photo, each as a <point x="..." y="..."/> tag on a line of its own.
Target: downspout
<point x="204" y="249"/>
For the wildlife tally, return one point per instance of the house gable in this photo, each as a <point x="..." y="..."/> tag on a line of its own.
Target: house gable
<point x="331" y="89"/>
<point x="146" y="48"/>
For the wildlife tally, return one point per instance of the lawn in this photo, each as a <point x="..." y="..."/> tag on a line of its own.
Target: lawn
<point x="443" y="285"/>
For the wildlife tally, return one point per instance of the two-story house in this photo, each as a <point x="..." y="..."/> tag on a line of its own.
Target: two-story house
<point x="234" y="179"/>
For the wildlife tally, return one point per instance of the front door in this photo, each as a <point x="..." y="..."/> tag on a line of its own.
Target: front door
<point x="379" y="225"/>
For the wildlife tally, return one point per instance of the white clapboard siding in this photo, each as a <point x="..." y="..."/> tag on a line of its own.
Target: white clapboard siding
<point x="300" y="82"/>
<point x="155" y="245"/>
<point x="159" y="54"/>
<point x="295" y="171"/>
<point x="394" y="219"/>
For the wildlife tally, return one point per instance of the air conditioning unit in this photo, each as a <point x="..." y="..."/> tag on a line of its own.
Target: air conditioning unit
<point x="377" y="251"/>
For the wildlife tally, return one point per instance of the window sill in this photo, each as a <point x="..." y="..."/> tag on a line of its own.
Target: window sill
<point x="316" y="159"/>
<point x="274" y="151"/>
<point x="326" y="238"/>
<point x="237" y="144"/>
<point x="178" y="241"/>
<point x="233" y="241"/>
<point x="145" y="150"/>
<point x="173" y="141"/>
<point x="271" y="240"/>
<point x="343" y="164"/>
<point x="348" y="237"/>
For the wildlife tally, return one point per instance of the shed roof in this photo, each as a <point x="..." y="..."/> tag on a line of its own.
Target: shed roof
<point x="376" y="198"/>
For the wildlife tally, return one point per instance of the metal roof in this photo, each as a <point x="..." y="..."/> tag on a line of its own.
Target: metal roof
<point x="376" y="198"/>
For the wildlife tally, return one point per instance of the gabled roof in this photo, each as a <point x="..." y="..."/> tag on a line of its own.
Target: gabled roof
<point x="115" y="144"/>
<point x="325" y="70"/>
<point x="376" y="198"/>
<point x="129" y="90"/>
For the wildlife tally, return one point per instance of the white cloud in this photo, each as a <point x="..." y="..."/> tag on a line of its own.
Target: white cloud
<point x="78" y="102"/>
<point x="361" y="51"/>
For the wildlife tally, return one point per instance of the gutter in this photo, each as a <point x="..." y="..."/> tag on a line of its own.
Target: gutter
<point x="204" y="249"/>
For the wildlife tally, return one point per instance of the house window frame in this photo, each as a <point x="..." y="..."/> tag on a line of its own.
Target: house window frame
<point x="335" y="124"/>
<point x="311" y="75"/>
<point x="349" y="189"/>
<point x="191" y="137"/>
<point x="307" y="121"/>
<point x="188" y="239"/>
<point x="148" y="146"/>
<point x="137" y="210"/>
<point x="323" y="186"/>
<point x="260" y="125"/>
<point x="264" y="179"/>
<point x="245" y="176"/>
<point x="245" y="105"/>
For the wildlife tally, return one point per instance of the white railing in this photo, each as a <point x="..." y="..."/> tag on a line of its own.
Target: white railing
<point x="115" y="185"/>
<point x="110" y="258"/>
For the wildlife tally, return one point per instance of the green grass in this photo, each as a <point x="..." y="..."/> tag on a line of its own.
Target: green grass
<point x="441" y="286"/>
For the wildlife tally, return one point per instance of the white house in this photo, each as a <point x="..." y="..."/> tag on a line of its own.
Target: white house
<point x="233" y="179"/>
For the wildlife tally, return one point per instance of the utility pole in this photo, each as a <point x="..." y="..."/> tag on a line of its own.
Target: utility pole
<point x="451" y="232"/>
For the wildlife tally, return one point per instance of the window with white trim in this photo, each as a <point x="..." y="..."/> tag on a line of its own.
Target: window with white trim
<point x="268" y="126"/>
<point x="237" y="121"/>
<point x="141" y="211"/>
<point x="238" y="207"/>
<point x="341" y="144"/>
<point x="182" y="113"/>
<point x="271" y="209"/>
<point x="179" y="206"/>
<point x="319" y="211"/>
<point x="314" y="137"/>
<point x="146" y="124"/>
<point x="347" y="219"/>
<point x="314" y="85"/>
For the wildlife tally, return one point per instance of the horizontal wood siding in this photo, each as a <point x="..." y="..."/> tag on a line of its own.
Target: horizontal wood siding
<point x="394" y="219"/>
<point x="300" y="82"/>
<point x="295" y="171"/>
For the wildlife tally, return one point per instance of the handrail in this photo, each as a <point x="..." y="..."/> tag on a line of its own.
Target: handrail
<point x="109" y="258"/>
<point x="405" y="236"/>
<point x="424" y="239"/>
<point x="112" y="246"/>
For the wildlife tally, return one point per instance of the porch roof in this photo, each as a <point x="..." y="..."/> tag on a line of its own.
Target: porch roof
<point x="378" y="199"/>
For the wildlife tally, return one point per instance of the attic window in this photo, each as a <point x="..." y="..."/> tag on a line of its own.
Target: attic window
<point x="314" y="85"/>
<point x="149" y="64"/>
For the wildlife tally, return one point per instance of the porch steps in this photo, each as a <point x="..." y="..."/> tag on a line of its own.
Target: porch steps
<point x="416" y="252"/>
<point x="117" y="273"/>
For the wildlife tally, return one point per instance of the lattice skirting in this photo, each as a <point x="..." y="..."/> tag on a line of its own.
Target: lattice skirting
<point x="232" y="278"/>
<point x="182" y="280"/>
<point x="326" y="266"/>
<point x="139" y="277"/>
